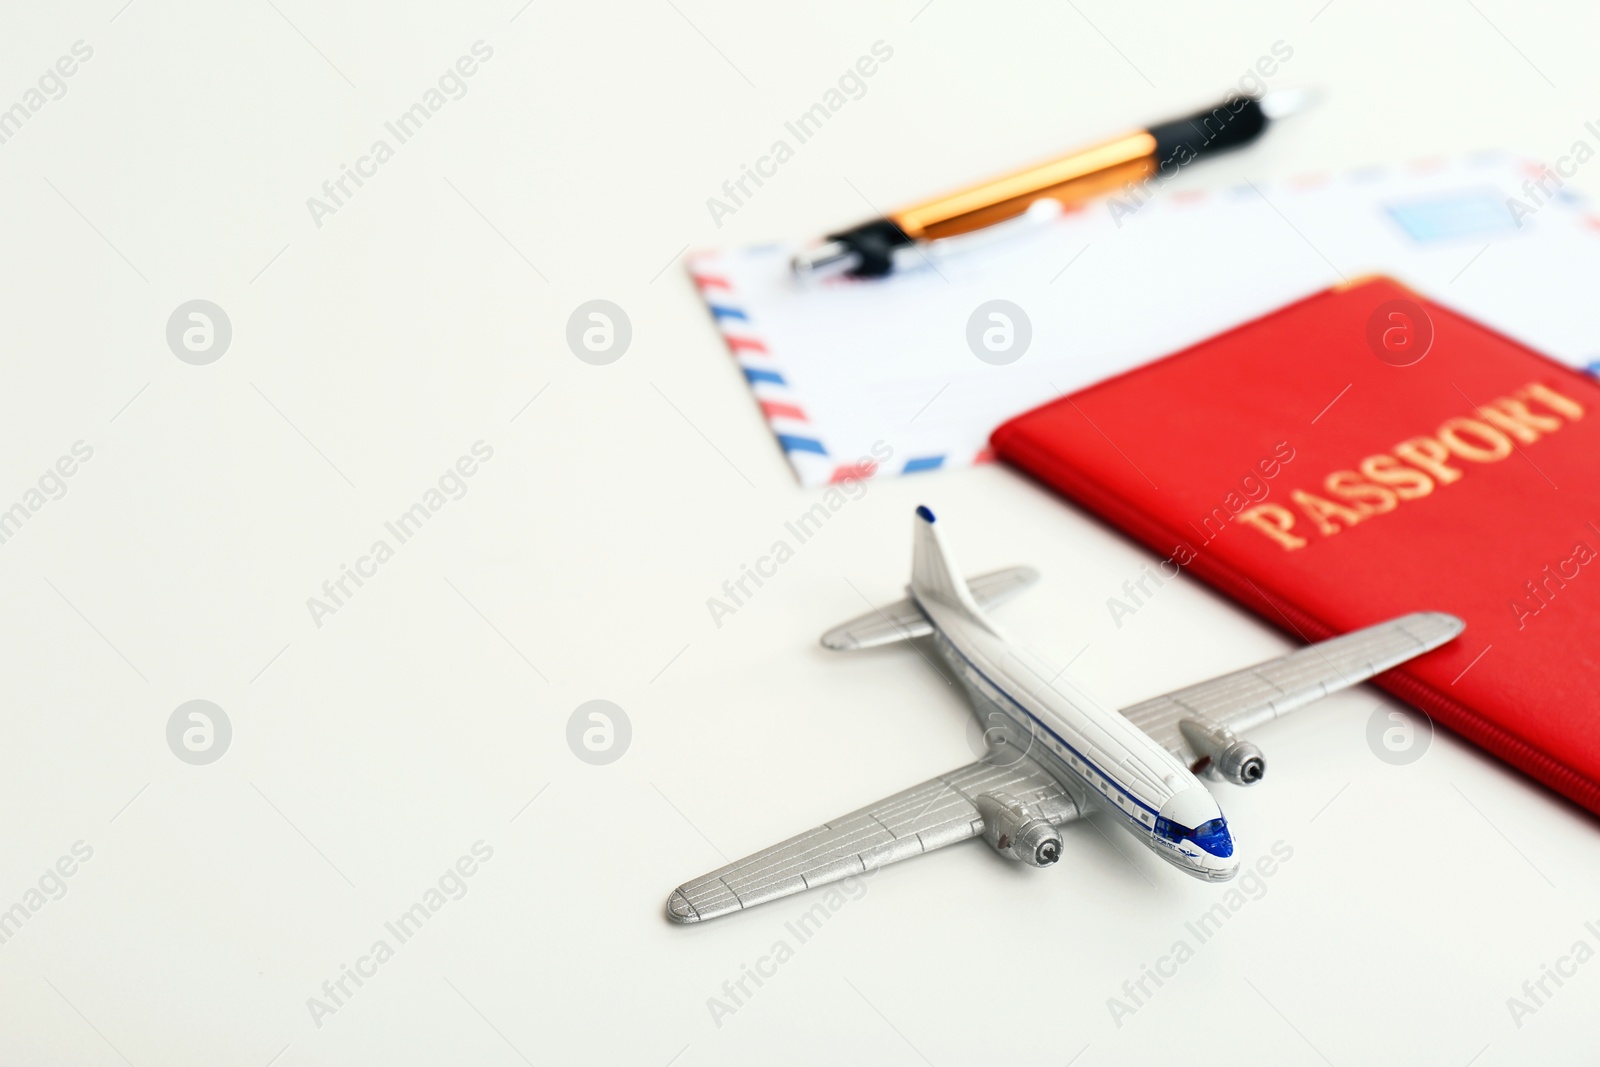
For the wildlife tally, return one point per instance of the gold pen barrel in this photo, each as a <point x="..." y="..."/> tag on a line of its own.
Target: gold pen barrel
<point x="1071" y="179"/>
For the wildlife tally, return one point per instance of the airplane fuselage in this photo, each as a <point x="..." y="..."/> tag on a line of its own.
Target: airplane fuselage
<point x="1100" y="758"/>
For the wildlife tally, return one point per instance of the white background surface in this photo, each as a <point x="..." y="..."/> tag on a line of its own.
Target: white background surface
<point x="370" y="753"/>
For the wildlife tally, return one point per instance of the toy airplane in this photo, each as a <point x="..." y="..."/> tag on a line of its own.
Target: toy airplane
<point x="1055" y="751"/>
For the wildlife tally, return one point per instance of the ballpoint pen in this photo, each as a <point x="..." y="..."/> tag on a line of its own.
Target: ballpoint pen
<point x="877" y="248"/>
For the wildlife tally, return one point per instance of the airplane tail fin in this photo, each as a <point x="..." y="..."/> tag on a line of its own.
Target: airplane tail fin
<point x="934" y="576"/>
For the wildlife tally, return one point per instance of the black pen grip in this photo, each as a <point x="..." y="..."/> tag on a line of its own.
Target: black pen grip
<point x="1234" y="122"/>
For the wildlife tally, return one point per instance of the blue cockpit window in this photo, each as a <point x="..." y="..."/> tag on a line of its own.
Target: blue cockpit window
<point x="1212" y="835"/>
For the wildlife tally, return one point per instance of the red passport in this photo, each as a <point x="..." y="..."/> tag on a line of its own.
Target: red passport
<point x="1358" y="455"/>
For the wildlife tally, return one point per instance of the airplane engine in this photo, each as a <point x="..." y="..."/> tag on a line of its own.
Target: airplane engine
<point x="1222" y="752"/>
<point x="1018" y="832"/>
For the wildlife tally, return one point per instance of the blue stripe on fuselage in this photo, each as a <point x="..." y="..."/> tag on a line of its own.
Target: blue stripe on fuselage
<point x="1064" y="742"/>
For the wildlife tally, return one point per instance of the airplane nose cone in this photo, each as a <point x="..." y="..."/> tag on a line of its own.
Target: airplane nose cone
<point x="1204" y="867"/>
<point x="679" y="909"/>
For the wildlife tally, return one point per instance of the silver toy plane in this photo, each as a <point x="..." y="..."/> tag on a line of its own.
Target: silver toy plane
<point x="1056" y="752"/>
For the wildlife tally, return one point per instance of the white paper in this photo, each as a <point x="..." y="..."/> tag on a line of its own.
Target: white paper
<point x="884" y="367"/>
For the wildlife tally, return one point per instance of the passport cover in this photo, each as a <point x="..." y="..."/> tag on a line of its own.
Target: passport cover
<point x="1358" y="455"/>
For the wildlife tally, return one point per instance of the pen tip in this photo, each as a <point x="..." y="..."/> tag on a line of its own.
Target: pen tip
<point x="1280" y="103"/>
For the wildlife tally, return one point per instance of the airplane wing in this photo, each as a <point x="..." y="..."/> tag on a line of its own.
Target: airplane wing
<point x="1247" y="699"/>
<point x="903" y="620"/>
<point x="925" y="817"/>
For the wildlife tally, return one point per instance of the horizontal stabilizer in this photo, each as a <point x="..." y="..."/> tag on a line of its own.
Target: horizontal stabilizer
<point x="903" y="620"/>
